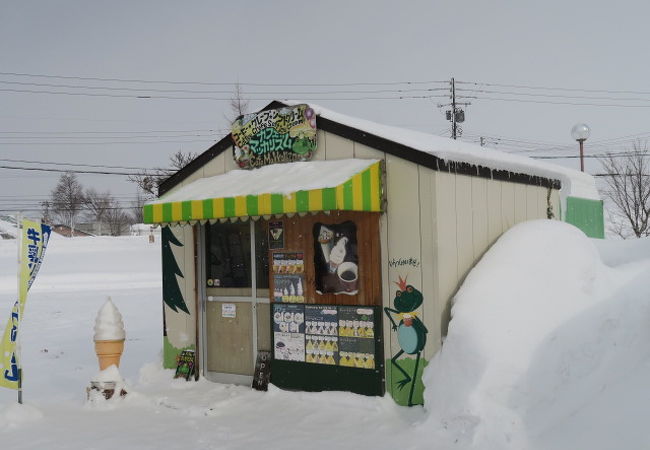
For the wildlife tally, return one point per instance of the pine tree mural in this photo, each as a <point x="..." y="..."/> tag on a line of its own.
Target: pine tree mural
<point x="172" y="295"/>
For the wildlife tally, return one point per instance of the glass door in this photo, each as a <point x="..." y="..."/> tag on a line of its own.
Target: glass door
<point x="235" y="285"/>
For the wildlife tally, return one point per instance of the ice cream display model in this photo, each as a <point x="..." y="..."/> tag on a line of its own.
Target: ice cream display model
<point x="109" y="335"/>
<point x="109" y="345"/>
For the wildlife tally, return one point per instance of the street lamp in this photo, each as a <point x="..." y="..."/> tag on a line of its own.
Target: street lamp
<point x="580" y="132"/>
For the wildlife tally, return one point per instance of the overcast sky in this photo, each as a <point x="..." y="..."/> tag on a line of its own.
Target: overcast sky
<point x="588" y="45"/>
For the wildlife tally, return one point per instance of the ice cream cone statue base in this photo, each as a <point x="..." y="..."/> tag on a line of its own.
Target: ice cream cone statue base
<point x="105" y="385"/>
<point x="109" y="352"/>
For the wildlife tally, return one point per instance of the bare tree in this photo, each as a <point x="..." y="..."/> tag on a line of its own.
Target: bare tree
<point x="118" y="220"/>
<point x="46" y="212"/>
<point x="238" y="104"/>
<point x="628" y="189"/>
<point x="149" y="180"/>
<point x="137" y="215"/>
<point x="67" y="200"/>
<point x="98" y="205"/>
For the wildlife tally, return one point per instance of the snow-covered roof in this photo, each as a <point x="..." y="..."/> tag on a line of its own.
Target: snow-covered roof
<point x="272" y="179"/>
<point x="574" y="183"/>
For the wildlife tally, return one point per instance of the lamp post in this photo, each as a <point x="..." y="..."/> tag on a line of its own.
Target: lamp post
<point x="580" y="132"/>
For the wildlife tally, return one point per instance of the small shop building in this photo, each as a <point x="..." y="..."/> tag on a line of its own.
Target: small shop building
<point x="333" y="246"/>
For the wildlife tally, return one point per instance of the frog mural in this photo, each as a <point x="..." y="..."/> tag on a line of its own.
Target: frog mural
<point x="411" y="332"/>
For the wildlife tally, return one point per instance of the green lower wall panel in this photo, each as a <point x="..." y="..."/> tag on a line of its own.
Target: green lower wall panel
<point x="170" y="353"/>
<point x="587" y="215"/>
<point x="393" y="377"/>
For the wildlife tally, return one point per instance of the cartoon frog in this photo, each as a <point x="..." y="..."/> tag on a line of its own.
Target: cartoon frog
<point x="411" y="332"/>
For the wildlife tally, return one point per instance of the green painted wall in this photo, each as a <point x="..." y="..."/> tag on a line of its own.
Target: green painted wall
<point x="170" y="353"/>
<point x="393" y="376"/>
<point x="587" y="215"/>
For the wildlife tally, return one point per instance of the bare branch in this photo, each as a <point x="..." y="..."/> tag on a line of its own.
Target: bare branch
<point x="628" y="188"/>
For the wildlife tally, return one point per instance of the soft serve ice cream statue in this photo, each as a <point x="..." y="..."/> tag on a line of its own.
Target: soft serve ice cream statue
<point x="109" y="335"/>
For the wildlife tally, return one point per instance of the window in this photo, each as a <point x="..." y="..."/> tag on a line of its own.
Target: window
<point x="228" y="262"/>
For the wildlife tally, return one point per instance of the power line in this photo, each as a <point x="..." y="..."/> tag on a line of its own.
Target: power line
<point x="208" y="83"/>
<point x="139" y="136"/>
<point x="96" y="172"/>
<point x="166" y="97"/>
<point x="608" y="105"/>
<point x="193" y="91"/>
<point x="549" y="88"/>
<point x="110" y="142"/>
<point x="103" y="166"/>
<point x="213" y="131"/>
<point x="530" y="94"/>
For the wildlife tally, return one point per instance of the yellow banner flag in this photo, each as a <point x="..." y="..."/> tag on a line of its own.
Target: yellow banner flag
<point x="33" y="242"/>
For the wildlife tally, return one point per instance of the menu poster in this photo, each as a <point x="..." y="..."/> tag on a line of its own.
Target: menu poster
<point x="286" y="263"/>
<point x="356" y="352"/>
<point x="356" y="321"/>
<point x="322" y="350"/>
<point x="288" y="288"/>
<point x="335" y="258"/>
<point x="289" y="332"/>
<point x="356" y="337"/>
<point x="289" y="277"/>
<point x="321" y="320"/>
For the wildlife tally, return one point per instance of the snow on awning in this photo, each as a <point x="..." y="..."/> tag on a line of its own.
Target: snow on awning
<point x="347" y="185"/>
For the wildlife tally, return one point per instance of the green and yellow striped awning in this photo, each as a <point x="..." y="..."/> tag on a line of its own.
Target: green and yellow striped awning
<point x="355" y="185"/>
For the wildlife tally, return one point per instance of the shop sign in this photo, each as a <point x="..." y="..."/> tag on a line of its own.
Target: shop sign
<point x="274" y="136"/>
<point x="262" y="374"/>
<point x="228" y="310"/>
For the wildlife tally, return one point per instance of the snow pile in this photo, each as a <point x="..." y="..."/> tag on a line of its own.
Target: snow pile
<point x="544" y="335"/>
<point x="109" y="325"/>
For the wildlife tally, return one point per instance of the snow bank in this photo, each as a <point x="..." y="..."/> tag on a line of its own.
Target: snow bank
<point x="540" y="328"/>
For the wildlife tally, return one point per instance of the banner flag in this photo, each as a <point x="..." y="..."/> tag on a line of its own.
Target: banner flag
<point x="34" y="237"/>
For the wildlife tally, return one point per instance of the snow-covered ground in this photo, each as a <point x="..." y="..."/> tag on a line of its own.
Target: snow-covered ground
<point x="549" y="347"/>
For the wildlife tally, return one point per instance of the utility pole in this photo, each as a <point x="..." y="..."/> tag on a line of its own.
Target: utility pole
<point x="454" y="127"/>
<point x="455" y="115"/>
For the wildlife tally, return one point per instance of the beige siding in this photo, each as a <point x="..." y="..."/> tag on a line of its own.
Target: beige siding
<point x="480" y="233"/>
<point x="337" y="147"/>
<point x="403" y="226"/>
<point x="468" y="210"/>
<point x="427" y="251"/>
<point x="229" y="161"/>
<point x="507" y="204"/>
<point x="321" y="145"/>
<point x="445" y="268"/>
<point x="216" y="166"/>
<point x="532" y="201"/>
<point x="495" y="220"/>
<point x="364" y="152"/>
<point x="520" y="203"/>
<point x="465" y="229"/>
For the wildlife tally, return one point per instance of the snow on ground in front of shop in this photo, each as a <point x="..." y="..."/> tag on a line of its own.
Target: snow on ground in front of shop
<point x="548" y="348"/>
<point x="59" y="361"/>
